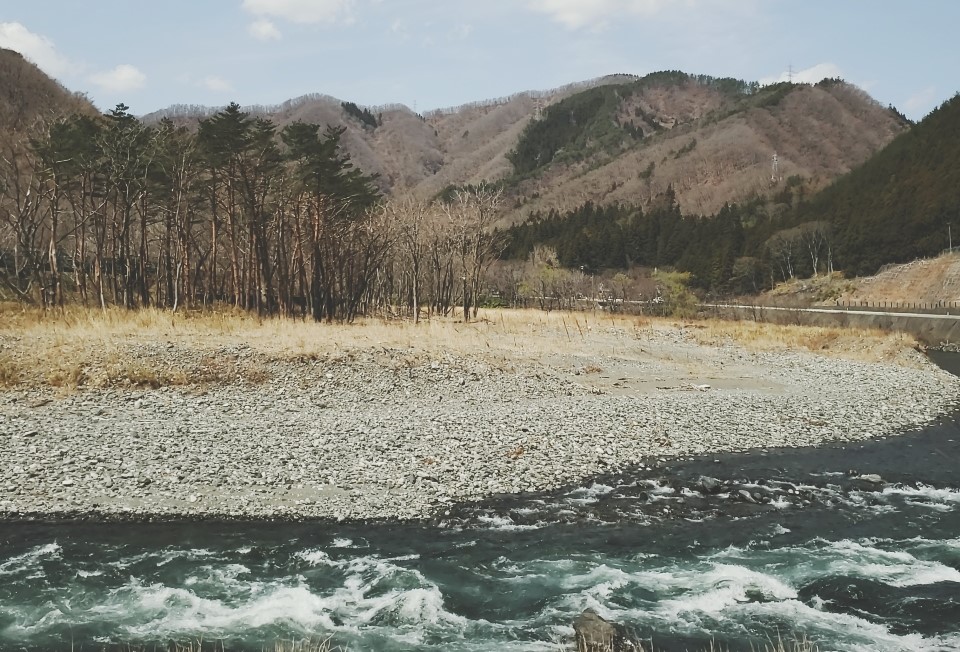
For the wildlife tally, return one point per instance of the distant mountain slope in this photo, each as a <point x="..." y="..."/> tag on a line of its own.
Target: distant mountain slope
<point x="711" y="139"/>
<point x="714" y="143"/>
<point x="902" y="204"/>
<point x="420" y="153"/>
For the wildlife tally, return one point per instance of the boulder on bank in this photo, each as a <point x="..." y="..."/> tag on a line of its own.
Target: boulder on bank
<point x="708" y="486"/>
<point x="593" y="633"/>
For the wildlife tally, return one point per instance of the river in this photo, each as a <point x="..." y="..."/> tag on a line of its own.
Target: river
<point x="785" y="542"/>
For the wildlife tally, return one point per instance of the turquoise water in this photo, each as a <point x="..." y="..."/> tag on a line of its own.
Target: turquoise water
<point x="853" y="568"/>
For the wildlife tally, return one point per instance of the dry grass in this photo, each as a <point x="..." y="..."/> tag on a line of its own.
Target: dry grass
<point x="78" y="348"/>
<point x="850" y="343"/>
<point x="919" y="281"/>
<point x="10" y="372"/>
<point x="82" y="348"/>
<point x="822" y="289"/>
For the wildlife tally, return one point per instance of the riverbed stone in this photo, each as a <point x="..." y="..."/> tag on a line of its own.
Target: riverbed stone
<point x="593" y="633"/>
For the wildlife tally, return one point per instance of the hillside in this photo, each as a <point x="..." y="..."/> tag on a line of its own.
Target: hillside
<point x="902" y="203"/>
<point x="26" y="92"/>
<point x="922" y="282"/>
<point x="714" y="145"/>
<point x="898" y="206"/>
<point x="711" y="140"/>
<point x="419" y="153"/>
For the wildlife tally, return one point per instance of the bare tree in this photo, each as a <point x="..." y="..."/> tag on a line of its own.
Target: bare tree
<point x="783" y="246"/>
<point x="472" y="213"/>
<point x="413" y="219"/>
<point x="816" y="237"/>
<point x="24" y="209"/>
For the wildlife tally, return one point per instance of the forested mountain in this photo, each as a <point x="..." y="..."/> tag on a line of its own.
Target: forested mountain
<point x="711" y="140"/>
<point x="409" y="151"/>
<point x="616" y="139"/>
<point x="900" y="205"/>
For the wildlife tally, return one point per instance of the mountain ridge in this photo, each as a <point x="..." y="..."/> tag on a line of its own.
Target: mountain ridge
<point x="471" y="143"/>
<point x="709" y="139"/>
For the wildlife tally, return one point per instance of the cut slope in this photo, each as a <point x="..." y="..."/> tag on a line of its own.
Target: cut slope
<point x="925" y="281"/>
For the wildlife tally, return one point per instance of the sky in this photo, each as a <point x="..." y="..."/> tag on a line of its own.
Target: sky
<point x="432" y="54"/>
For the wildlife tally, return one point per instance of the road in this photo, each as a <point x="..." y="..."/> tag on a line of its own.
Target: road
<point x="834" y="311"/>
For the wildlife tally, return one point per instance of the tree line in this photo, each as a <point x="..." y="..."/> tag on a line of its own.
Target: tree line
<point x="743" y="249"/>
<point x="109" y="210"/>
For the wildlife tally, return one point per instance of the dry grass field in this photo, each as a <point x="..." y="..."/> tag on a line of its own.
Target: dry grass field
<point x="86" y="348"/>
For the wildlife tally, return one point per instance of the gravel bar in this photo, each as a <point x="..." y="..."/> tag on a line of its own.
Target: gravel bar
<point x="374" y="436"/>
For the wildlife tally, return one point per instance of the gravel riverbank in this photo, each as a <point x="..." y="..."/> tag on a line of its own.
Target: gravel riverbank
<point x="383" y="434"/>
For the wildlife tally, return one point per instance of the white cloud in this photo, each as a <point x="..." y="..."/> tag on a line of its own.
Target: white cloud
<point x="216" y="84"/>
<point x="575" y="14"/>
<point x="399" y="28"/>
<point x="810" y="75"/>
<point x="213" y="83"/>
<point x="264" y="30"/>
<point x="121" y="79"/>
<point x="922" y="101"/>
<point x="304" y="12"/>
<point x="461" y="32"/>
<point x="39" y="49"/>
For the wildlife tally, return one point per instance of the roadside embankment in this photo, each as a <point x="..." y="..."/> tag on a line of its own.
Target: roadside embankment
<point x="933" y="330"/>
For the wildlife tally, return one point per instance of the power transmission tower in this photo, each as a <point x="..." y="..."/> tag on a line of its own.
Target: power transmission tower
<point x="538" y="109"/>
<point x="775" y="171"/>
<point x="790" y="73"/>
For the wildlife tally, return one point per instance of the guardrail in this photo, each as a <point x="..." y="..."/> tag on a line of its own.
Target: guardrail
<point x="935" y="308"/>
<point x="930" y="328"/>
